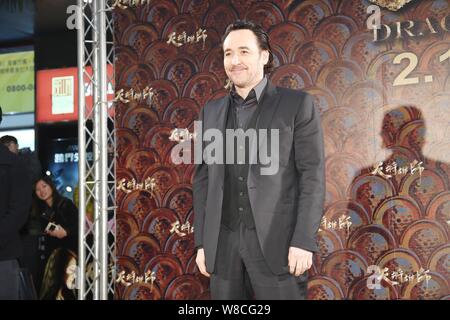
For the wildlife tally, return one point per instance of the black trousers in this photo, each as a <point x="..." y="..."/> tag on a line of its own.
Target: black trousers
<point x="242" y="273"/>
<point x="9" y="280"/>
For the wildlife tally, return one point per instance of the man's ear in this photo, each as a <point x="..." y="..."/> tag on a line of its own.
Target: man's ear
<point x="265" y="56"/>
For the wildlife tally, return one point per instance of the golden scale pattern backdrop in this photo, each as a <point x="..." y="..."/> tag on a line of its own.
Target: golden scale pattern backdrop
<point x="385" y="112"/>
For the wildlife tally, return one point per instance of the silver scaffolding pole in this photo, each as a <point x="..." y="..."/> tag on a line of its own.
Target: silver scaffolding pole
<point x="103" y="148"/>
<point x="96" y="137"/>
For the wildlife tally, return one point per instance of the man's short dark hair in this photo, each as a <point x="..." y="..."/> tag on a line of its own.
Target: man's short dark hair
<point x="6" y="140"/>
<point x="261" y="36"/>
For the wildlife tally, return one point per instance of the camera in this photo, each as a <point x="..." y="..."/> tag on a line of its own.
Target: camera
<point x="51" y="227"/>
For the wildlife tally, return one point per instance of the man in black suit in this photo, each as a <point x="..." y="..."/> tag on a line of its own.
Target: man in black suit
<point x="253" y="228"/>
<point x="15" y="201"/>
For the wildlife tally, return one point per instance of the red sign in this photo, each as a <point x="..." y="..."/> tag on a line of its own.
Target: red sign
<point x="57" y="94"/>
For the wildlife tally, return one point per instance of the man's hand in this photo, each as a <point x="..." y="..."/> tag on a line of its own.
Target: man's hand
<point x="299" y="260"/>
<point x="200" y="260"/>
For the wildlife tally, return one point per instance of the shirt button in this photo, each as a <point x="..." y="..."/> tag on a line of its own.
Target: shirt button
<point x="241" y="194"/>
<point x="241" y="178"/>
<point x="241" y="209"/>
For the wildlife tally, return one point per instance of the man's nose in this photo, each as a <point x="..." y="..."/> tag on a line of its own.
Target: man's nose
<point x="235" y="59"/>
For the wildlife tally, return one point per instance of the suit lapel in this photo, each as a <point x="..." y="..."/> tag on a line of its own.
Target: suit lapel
<point x="269" y="105"/>
<point x="221" y="120"/>
<point x="222" y="112"/>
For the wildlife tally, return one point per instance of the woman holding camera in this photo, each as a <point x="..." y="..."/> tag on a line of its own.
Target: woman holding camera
<point x="59" y="221"/>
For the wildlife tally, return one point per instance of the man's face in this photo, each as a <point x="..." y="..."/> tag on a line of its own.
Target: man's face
<point x="243" y="60"/>
<point x="14" y="148"/>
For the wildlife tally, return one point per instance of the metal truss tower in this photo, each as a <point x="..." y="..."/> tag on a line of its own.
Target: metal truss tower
<point x="96" y="147"/>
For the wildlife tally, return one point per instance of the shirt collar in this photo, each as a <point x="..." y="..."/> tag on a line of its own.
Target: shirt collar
<point x="259" y="88"/>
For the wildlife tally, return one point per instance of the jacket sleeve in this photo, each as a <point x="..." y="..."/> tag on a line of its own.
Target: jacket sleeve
<point x="310" y="166"/>
<point x="69" y="217"/>
<point x="19" y="201"/>
<point x="200" y="189"/>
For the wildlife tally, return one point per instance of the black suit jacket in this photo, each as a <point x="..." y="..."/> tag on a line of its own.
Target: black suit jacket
<point x="287" y="206"/>
<point x="15" y="201"/>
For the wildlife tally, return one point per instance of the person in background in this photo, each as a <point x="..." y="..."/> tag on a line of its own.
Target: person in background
<point x="14" y="209"/>
<point x="11" y="143"/>
<point x="29" y="157"/>
<point x="30" y="232"/>
<point x="59" y="225"/>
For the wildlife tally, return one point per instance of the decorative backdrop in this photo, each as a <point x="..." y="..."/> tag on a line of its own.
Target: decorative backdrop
<point x="385" y="112"/>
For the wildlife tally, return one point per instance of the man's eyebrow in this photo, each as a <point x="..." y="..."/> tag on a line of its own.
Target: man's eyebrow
<point x="238" y="48"/>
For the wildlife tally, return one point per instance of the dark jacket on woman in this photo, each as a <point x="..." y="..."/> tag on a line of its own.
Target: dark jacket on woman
<point x="64" y="213"/>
